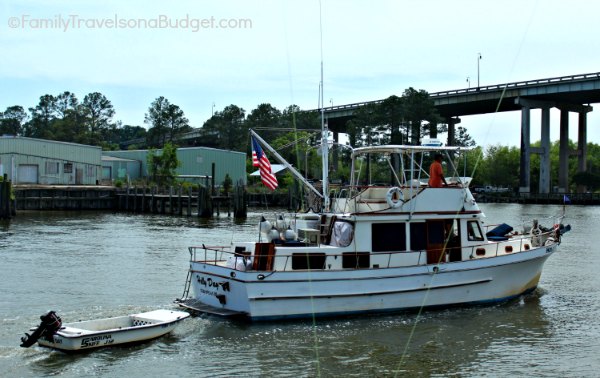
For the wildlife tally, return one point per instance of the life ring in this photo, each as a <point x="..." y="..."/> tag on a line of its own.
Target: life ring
<point x="394" y="197"/>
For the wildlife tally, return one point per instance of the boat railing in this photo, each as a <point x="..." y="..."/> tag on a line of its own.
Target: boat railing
<point x="281" y="260"/>
<point x="218" y="253"/>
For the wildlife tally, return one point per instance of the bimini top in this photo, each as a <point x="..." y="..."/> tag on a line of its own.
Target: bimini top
<point x="405" y="149"/>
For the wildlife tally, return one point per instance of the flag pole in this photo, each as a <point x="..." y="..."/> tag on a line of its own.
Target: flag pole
<point x="284" y="162"/>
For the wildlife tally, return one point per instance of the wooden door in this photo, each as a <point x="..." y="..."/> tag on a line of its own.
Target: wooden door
<point x="435" y="241"/>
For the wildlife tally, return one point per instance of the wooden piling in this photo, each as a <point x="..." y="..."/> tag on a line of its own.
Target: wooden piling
<point x="189" y="203"/>
<point x="179" y="210"/>
<point x="205" y="208"/>
<point x="240" y="205"/>
<point x="144" y="200"/>
<point x="5" y="200"/>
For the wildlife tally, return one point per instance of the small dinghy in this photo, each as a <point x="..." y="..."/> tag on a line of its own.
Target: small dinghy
<point x="98" y="333"/>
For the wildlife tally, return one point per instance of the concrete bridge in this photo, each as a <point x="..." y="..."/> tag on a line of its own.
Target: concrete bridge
<point x="567" y="93"/>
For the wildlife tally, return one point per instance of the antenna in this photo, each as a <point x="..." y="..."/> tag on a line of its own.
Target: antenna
<point x="324" y="131"/>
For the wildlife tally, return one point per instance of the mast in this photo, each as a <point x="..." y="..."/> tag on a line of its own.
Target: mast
<point x="324" y="131"/>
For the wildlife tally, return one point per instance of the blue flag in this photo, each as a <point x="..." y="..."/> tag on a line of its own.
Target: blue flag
<point x="566" y="199"/>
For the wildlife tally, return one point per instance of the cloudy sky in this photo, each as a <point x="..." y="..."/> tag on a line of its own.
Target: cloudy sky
<point x="205" y="55"/>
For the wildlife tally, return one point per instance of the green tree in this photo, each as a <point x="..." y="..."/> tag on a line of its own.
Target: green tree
<point x="390" y="113"/>
<point x="69" y="124"/>
<point x="65" y="103"/>
<point x="12" y="120"/>
<point x="419" y="110"/>
<point x="365" y="128"/>
<point x="501" y="166"/>
<point x="293" y="117"/>
<point x="162" y="166"/>
<point x="176" y="122"/>
<point x="42" y="115"/>
<point x="589" y="180"/>
<point x="267" y="118"/>
<point x="129" y="132"/>
<point x="462" y="138"/>
<point x="98" y="112"/>
<point x="227" y="127"/>
<point x="293" y="147"/>
<point x="157" y="122"/>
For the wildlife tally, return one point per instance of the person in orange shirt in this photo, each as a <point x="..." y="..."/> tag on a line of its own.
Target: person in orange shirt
<point x="436" y="173"/>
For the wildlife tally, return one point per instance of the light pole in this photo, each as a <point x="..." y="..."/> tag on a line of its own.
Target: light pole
<point x="212" y="112"/>
<point x="478" y="59"/>
<point x="469" y="81"/>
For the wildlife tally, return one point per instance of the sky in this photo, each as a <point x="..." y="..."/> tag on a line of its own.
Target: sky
<point x="206" y="55"/>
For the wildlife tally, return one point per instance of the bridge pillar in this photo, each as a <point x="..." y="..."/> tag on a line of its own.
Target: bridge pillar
<point x="582" y="146"/>
<point x="563" y="154"/>
<point x="525" y="175"/>
<point x="544" y="187"/>
<point x="452" y="122"/>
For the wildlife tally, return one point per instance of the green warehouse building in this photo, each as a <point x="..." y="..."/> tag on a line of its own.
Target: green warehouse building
<point x="48" y="162"/>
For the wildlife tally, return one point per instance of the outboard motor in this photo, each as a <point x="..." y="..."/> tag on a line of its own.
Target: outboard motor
<point x="47" y="328"/>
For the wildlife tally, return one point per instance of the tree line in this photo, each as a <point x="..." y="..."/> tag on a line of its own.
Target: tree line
<point x="92" y="121"/>
<point x="405" y="119"/>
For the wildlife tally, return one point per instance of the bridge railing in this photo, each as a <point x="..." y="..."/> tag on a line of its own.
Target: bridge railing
<point x="517" y="84"/>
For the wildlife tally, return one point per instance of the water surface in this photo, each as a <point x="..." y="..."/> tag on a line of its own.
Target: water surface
<point x="86" y="265"/>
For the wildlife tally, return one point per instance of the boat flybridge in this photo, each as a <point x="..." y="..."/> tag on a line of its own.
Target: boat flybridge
<point x="388" y="241"/>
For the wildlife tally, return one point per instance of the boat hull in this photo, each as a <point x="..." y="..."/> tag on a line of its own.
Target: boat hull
<point x="278" y="295"/>
<point x="71" y="338"/>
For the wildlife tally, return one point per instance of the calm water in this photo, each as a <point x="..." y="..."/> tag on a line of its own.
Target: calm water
<point x="86" y="265"/>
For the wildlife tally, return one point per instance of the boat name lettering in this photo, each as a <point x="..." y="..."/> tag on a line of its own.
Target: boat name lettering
<point x="87" y="342"/>
<point x="208" y="292"/>
<point x="208" y="282"/>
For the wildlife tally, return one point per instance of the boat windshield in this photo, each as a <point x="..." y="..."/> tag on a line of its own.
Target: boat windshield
<point x="400" y="165"/>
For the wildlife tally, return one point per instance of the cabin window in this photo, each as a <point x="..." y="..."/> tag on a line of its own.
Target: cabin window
<point x="355" y="260"/>
<point x="388" y="237"/>
<point x="308" y="260"/>
<point x="474" y="231"/>
<point x="418" y="236"/>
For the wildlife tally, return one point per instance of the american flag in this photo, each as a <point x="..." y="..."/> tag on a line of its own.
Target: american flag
<point x="259" y="159"/>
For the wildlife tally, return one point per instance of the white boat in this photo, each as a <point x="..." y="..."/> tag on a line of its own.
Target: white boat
<point x="98" y="333"/>
<point x="374" y="248"/>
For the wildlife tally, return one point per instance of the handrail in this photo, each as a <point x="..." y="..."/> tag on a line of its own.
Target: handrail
<point x="214" y="256"/>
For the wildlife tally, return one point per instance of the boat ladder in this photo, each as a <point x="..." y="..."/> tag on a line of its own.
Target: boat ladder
<point x="186" y="288"/>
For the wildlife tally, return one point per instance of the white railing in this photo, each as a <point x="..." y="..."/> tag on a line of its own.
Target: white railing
<point x="219" y="255"/>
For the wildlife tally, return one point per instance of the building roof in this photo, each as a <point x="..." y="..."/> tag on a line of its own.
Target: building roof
<point x="113" y="158"/>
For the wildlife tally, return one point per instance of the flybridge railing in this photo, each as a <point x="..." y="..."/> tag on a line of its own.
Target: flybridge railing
<point x="522" y="243"/>
<point x="517" y="84"/>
